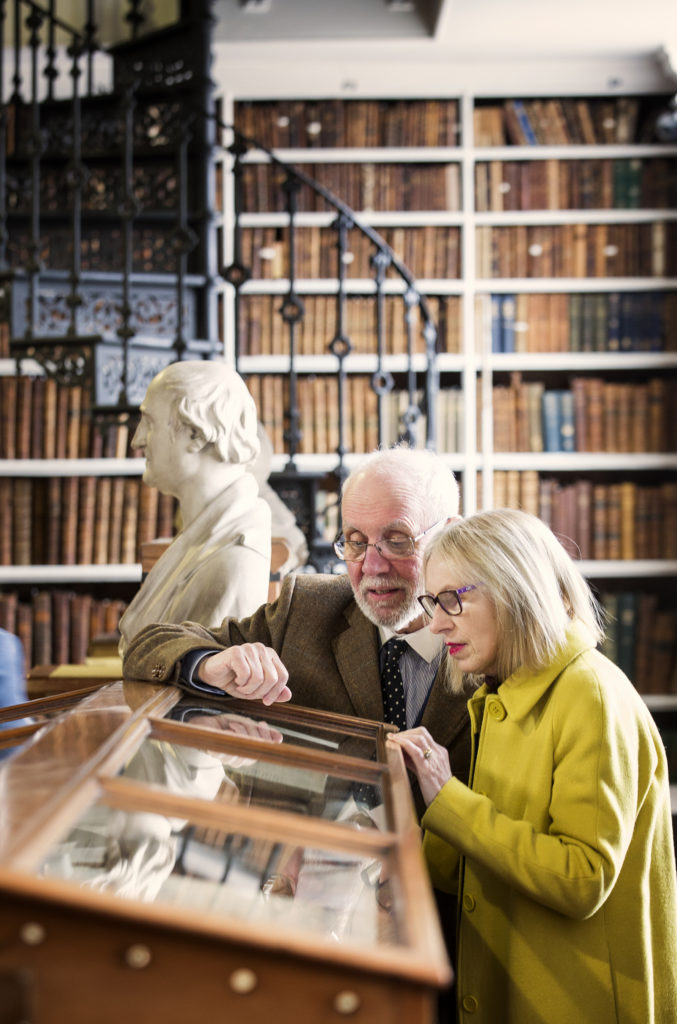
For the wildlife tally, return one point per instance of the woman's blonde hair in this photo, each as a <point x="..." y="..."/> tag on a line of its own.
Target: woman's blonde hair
<point x="532" y="581"/>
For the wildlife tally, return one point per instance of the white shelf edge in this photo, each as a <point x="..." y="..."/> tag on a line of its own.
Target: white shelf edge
<point x="572" y="284"/>
<point x="505" y="218"/>
<point x="598" y="151"/>
<point x="118" y="573"/>
<point x="545" y="361"/>
<point x="456" y="286"/>
<point x="458" y="218"/>
<point x="458" y="154"/>
<point x="71" y="467"/>
<point x="359" y="154"/>
<point x="650" y="568"/>
<point x="370" y="218"/>
<point x="580" y="462"/>
<point x="356" y="363"/>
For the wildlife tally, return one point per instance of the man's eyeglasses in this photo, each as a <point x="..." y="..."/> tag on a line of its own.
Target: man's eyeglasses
<point x="393" y="544"/>
<point x="448" y="600"/>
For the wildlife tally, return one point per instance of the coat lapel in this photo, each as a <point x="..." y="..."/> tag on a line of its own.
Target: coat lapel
<point x="356" y="653"/>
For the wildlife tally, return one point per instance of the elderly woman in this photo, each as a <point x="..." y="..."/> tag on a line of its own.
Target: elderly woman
<point x="561" y="846"/>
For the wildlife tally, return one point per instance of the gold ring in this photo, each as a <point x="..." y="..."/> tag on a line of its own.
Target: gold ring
<point x="427" y="753"/>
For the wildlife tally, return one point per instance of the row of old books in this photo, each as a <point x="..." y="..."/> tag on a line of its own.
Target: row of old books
<point x="352" y="123"/>
<point x="561" y="122"/>
<point x="365" y="425"/>
<point x="57" y="626"/>
<point x="626" y="183"/>
<point x="621" y="520"/>
<point x="40" y="419"/>
<point x="429" y="252"/>
<point x="591" y="415"/>
<point x="641" y="638"/>
<point x="262" y="330"/>
<point x="580" y="322"/>
<point x="80" y="520"/>
<point x="363" y="187"/>
<point x="577" y="250"/>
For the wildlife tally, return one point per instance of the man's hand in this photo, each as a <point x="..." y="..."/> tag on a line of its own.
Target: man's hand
<point x="249" y="671"/>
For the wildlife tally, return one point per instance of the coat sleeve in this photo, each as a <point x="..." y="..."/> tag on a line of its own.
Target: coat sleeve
<point x="154" y="654"/>
<point x="604" y="766"/>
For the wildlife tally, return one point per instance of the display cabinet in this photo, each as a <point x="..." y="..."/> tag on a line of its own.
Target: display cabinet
<point x="164" y="857"/>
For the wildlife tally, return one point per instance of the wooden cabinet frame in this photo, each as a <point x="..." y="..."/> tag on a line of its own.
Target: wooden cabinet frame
<point x="64" y="945"/>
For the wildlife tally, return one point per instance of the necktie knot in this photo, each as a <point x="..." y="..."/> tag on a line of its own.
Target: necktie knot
<point x="395" y="647"/>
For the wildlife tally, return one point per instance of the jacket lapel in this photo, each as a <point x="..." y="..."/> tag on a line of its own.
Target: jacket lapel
<point x="356" y="653"/>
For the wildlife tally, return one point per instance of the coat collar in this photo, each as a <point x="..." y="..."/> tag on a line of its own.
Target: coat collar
<point x="521" y="691"/>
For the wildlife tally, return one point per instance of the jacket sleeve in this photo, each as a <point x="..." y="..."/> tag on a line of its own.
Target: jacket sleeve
<point x="154" y="654"/>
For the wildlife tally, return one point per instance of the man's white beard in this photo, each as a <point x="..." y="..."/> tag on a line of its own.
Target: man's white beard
<point x="393" y="618"/>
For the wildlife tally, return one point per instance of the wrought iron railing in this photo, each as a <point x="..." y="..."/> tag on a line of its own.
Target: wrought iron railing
<point x="292" y="310"/>
<point x="104" y="322"/>
<point x="60" y="310"/>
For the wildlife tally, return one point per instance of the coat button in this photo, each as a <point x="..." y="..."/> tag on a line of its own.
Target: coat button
<point x="468" y="902"/>
<point x="469" y="1004"/>
<point x="496" y="710"/>
<point x="157" y="671"/>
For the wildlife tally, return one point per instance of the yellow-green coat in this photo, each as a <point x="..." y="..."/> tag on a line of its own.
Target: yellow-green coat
<point x="563" y="848"/>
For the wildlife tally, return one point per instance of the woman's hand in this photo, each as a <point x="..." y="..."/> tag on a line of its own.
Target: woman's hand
<point x="426" y="758"/>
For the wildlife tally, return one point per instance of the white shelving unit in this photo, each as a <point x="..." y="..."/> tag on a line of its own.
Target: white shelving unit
<point x="476" y="364"/>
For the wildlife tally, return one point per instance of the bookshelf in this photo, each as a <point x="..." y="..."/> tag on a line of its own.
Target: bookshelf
<point x="551" y="262"/>
<point x="467" y="189"/>
<point x="73" y="514"/>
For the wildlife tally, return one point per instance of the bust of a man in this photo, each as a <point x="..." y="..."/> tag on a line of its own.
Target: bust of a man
<point x="198" y="433"/>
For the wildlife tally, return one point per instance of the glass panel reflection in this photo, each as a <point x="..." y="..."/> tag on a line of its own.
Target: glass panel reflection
<point x="234" y="778"/>
<point x="200" y="712"/>
<point x="343" y="896"/>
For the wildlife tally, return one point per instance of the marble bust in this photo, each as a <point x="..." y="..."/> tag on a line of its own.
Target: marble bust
<point x="198" y="433"/>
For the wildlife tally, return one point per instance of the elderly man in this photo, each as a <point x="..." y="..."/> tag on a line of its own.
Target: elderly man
<point x="323" y="642"/>
<point x="198" y="433"/>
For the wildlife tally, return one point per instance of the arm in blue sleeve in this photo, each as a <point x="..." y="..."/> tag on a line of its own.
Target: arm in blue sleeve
<point x="188" y="674"/>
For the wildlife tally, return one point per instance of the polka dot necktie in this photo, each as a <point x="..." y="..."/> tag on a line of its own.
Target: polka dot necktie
<point x="392" y="687"/>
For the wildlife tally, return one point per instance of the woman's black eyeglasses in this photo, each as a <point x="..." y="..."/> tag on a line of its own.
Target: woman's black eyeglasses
<point x="448" y="600"/>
